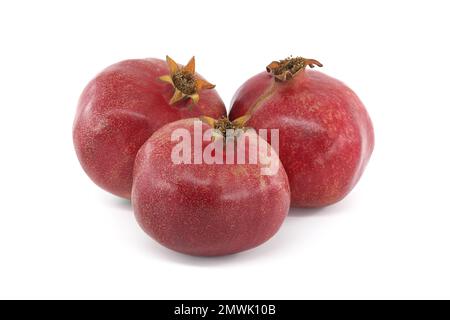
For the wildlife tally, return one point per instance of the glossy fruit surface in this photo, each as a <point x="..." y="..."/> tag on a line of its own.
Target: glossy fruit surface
<point x="206" y="209"/>
<point x="122" y="107"/>
<point x="326" y="135"/>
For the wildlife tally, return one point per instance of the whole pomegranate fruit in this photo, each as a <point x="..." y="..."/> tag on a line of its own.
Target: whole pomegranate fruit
<point x="326" y="135"/>
<point x="208" y="208"/>
<point x="122" y="107"/>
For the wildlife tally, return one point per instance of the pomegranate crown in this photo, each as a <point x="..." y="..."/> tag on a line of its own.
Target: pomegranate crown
<point x="286" y="69"/>
<point x="185" y="81"/>
<point x="223" y="124"/>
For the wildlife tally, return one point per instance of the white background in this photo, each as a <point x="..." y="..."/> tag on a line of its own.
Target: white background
<point x="63" y="237"/>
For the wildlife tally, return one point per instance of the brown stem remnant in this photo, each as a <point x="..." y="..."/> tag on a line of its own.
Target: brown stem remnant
<point x="282" y="70"/>
<point x="286" y="69"/>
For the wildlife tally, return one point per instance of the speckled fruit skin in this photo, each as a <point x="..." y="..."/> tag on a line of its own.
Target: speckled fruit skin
<point x="326" y="135"/>
<point x="201" y="209"/>
<point x="119" y="110"/>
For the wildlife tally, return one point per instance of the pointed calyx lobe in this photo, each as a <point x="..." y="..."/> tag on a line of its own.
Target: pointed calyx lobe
<point x="286" y="69"/>
<point x="184" y="81"/>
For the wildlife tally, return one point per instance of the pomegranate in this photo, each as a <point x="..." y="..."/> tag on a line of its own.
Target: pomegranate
<point x="208" y="208"/>
<point x="326" y="135"/>
<point x="122" y="107"/>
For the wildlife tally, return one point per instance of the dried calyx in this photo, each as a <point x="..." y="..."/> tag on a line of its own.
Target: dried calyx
<point x="286" y="69"/>
<point x="184" y="81"/>
<point x="223" y="124"/>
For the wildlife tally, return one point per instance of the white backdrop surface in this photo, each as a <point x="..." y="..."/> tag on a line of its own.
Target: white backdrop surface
<point x="63" y="237"/>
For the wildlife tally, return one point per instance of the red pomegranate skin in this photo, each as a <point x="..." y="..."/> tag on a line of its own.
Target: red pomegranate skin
<point x="205" y="209"/>
<point x="326" y="135"/>
<point x="119" y="110"/>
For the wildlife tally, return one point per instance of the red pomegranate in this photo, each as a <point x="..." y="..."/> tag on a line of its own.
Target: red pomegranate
<point x="208" y="208"/>
<point x="326" y="135"/>
<point x="122" y="107"/>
